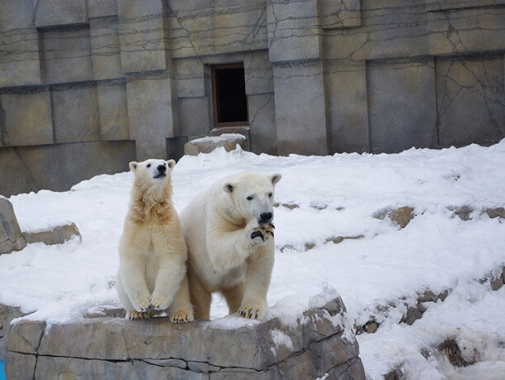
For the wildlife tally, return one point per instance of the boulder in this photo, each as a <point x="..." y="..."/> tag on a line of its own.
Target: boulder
<point x="207" y="144"/>
<point x="319" y="344"/>
<point x="11" y="238"/>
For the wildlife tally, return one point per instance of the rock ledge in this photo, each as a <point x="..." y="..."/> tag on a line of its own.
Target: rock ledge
<point x="108" y="347"/>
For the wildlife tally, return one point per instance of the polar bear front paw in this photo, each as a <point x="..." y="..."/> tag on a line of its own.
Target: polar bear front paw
<point x="141" y="304"/>
<point x="254" y="310"/>
<point x="264" y="231"/>
<point x="158" y="302"/>
<point x="135" y="315"/>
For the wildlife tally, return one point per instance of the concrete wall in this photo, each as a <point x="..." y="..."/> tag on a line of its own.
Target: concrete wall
<point x="88" y="85"/>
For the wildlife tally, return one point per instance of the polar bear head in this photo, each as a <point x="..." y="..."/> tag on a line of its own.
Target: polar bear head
<point x="252" y="195"/>
<point x="153" y="171"/>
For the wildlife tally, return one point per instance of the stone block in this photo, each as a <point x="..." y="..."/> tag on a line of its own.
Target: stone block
<point x="263" y="138"/>
<point x="11" y="238"/>
<point x="466" y="30"/>
<point x="195" y="116"/>
<point x="402" y="105"/>
<point x="75" y="115"/>
<point x="470" y="100"/>
<point x="23" y="366"/>
<point x="392" y="30"/>
<point x="228" y="141"/>
<point x="285" y="17"/>
<point x="141" y="35"/>
<point x="101" y="8"/>
<point x="339" y="13"/>
<point x="7" y="314"/>
<point x="56" y="235"/>
<point x="258" y="73"/>
<point x="155" y="348"/>
<point x="218" y="27"/>
<point x="28" y="118"/>
<point x="66" y="54"/>
<point x="59" y="167"/>
<point x="19" y="44"/>
<point x="51" y="13"/>
<point x="300" y="108"/>
<point x="347" y="107"/>
<point x="105" y="49"/>
<point x="151" y="113"/>
<point x="189" y="78"/>
<point x="112" y="110"/>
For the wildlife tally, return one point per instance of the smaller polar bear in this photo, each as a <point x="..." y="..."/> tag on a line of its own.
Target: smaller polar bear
<point x="229" y="233"/>
<point x="152" y="250"/>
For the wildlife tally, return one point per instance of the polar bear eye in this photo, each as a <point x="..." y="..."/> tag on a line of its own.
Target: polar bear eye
<point x="250" y="198"/>
<point x="270" y="195"/>
<point x="148" y="165"/>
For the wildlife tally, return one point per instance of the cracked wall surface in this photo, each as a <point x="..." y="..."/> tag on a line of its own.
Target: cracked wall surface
<point x="118" y="80"/>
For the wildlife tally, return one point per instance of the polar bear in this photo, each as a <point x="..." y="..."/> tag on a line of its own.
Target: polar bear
<point x="152" y="250"/>
<point x="229" y="232"/>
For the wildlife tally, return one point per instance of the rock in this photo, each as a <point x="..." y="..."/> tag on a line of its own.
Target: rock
<point x="207" y="144"/>
<point x="400" y="216"/>
<point x="11" y="238"/>
<point x="7" y="314"/>
<point x="319" y="344"/>
<point x="498" y="212"/>
<point x="57" y="235"/>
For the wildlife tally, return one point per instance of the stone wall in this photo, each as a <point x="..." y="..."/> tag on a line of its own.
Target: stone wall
<point x="113" y="347"/>
<point x="87" y="85"/>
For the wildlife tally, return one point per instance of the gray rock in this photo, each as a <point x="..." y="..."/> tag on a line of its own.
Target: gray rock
<point x="7" y="314"/>
<point x="56" y="235"/>
<point x="155" y="348"/>
<point x="207" y="144"/>
<point x="11" y="238"/>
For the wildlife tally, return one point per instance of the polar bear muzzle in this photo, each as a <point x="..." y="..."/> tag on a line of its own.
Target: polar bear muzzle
<point x="266" y="217"/>
<point x="161" y="171"/>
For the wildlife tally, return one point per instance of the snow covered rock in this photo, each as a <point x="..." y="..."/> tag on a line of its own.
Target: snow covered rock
<point x="321" y="344"/>
<point x="11" y="238"/>
<point x="207" y="144"/>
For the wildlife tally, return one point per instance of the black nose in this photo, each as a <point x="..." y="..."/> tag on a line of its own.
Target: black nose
<point x="162" y="168"/>
<point x="266" y="217"/>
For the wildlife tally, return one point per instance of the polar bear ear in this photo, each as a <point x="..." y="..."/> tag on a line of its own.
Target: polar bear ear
<point x="170" y="164"/>
<point x="228" y="187"/>
<point x="133" y="166"/>
<point x="275" y="178"/>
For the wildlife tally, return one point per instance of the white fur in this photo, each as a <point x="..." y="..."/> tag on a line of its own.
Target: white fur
<point x="224" y="257"/>
<point x="152" y="250"/>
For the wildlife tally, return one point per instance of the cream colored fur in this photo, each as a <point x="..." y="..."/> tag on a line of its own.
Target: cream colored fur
<point x="230" y="248"/>
<point x="152" y="250"/>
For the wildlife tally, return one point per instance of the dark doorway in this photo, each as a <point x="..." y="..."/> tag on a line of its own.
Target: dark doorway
<point x="229" y="98"/>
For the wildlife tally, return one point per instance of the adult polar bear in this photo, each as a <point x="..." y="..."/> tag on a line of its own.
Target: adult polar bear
<point x="152" y="250"/>
<point x="229" y="233"/>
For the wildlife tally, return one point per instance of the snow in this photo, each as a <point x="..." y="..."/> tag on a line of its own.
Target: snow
<point x="377" y="275"/>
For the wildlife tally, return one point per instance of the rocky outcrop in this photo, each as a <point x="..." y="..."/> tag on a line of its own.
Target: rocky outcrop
<point x="109" y="347"/>
<point x="12" y="239"/>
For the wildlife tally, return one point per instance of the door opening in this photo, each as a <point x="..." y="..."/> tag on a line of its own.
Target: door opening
<point x="229" y="98"/>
